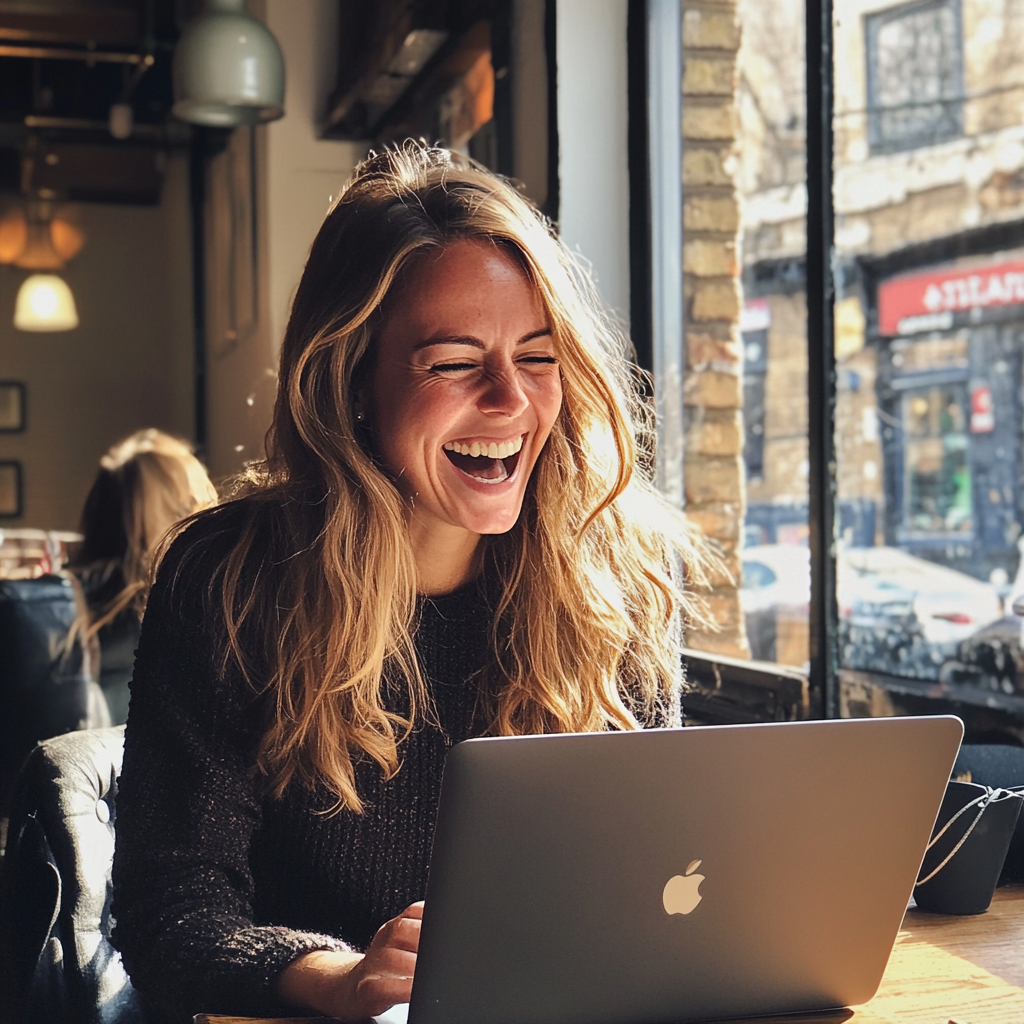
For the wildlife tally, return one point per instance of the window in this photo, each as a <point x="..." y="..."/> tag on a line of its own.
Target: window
<point x="914" y="75"/>
<point x="928" y="277"/>
<point x="754" y="325"/>
<point x="875" y="348"/>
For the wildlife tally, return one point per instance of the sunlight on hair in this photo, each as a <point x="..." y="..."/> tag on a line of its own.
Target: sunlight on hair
<point x="587" y="631"/>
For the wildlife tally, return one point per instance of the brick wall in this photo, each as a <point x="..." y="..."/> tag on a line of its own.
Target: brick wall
<point x="713" y="392"/>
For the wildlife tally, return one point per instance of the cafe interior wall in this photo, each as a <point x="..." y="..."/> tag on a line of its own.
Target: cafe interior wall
<point x="127" y="365"/>
<point x="297" y="175"/>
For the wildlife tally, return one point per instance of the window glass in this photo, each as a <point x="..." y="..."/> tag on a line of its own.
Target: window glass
<point x="771" y="180"/>
<point x="938" y="478"/>
<point x="929" y="340"/>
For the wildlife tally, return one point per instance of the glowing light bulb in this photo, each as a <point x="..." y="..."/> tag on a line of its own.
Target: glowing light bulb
<point x="45" y="303"/>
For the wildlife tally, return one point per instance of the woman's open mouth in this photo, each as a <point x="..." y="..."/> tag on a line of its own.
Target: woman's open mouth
<point x="490" y="463"/>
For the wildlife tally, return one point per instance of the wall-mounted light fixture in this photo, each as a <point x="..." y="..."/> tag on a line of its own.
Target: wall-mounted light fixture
<point x="228" y="69"/>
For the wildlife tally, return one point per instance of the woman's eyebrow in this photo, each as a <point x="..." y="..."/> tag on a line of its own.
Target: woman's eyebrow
<point x="460" y="339"/>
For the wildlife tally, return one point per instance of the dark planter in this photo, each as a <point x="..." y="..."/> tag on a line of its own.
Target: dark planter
<point x="964" y="885"/>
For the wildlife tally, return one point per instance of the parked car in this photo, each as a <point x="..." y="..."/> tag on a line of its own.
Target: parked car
<point x="898" y="614"/>
<point x="992" y="658"/>
<point x="949" y="605"/>
<point x="989" y="660"/>
<point x="776" y="583"/>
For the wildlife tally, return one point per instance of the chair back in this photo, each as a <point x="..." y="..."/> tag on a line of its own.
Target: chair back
<point x="57" y="961"/>
<point x="45" y="688"/>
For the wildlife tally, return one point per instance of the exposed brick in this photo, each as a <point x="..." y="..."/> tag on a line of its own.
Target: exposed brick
<point x="721" y="520"/>
<point x="715" y="29"/>
<point x="716" y="122"/>
<point x="725" y="573"/>
<point x="703" y="349"/>
<point x="730" y="643"/>
<point x="713" y="389"/>
<point x="722" y="435"/>
<point x="724" y="606"/>
<point x="702" y="76"/>
<point x="707" y="166"/>
<point x="710" y="258"/>
<point x="714" y="480"/>
<point x="718" y="299"/>
<point x="714" y="477"/>
<point x="711" y="213"/>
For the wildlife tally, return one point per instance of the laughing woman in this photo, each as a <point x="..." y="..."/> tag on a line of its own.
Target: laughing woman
<point x="449" y="538"/>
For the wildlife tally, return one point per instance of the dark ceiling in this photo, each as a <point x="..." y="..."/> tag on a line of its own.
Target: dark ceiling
<point x="64" y="63"/>
<point x="55" y="97"/>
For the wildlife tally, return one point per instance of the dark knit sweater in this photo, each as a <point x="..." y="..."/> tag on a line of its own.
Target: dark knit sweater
<point x="216" y="887"/>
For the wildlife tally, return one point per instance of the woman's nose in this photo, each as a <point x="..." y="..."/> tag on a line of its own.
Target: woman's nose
<point x="503" y="394"/>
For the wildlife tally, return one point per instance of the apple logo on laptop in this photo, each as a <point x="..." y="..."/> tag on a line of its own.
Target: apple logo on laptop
<point x="682" y="892"/>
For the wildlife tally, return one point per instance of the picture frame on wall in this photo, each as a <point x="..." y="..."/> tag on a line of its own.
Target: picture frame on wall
<point x="12" y="407"/>
<point x="10" y="489"/>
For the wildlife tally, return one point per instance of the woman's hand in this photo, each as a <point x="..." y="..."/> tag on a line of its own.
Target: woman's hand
<point x="354" y="986"/>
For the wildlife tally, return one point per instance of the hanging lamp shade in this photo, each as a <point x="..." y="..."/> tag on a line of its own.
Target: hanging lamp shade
<point x="45" y="303"/>
<point x="39" y="253"/>
<point x="228" y="69"/>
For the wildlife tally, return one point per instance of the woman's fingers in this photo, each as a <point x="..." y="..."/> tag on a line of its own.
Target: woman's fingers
<point x="374" y="998"/>
<point x="402" y="932"/>
<point x="352" y="987"/>
<point x="389" y="962"/>
<point x="383" y="979"/>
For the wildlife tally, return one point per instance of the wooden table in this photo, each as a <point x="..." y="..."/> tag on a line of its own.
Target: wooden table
<point x="943" y="970"/>
<point x="968" y="970"/>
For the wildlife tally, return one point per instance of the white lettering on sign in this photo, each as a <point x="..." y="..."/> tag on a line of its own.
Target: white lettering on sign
<point x="913" y="302"/>
<point x="974" y="290"/>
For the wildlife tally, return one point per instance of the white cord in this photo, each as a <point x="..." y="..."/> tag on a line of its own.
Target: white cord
<point x="986" y="798"/>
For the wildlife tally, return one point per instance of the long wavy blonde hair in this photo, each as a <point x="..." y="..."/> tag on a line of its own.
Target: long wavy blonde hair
<point x="319" y="590"/>
<point x="146" y="484"/>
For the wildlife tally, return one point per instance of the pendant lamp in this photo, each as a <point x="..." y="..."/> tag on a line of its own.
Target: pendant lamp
<point x="228" y="69"/>
<point x="45" y="303"/>
<point x="39" y="253"/>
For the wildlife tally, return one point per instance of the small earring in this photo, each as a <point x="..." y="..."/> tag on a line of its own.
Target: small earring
<point x="360" y="416"/>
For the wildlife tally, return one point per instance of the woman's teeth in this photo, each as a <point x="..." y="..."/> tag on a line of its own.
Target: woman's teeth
<point x="490" y="451"/>
<point x="486" y="461"/>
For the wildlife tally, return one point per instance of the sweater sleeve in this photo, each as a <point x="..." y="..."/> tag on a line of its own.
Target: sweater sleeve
<point x="187" y="810"/>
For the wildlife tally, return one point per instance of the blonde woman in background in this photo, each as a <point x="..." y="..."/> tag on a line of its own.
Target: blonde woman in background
<point x="145" y="484"/>
<point x="451" y="537"/>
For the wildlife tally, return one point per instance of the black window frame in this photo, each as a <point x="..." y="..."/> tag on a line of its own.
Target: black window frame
<point x="821" y="366"/>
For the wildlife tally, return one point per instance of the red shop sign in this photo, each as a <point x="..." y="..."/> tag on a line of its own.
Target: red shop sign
<point x="983" y="420"/>
<point x="903" y="299"/>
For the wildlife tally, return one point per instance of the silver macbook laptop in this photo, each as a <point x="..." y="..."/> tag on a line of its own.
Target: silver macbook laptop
<point x="677" y="874"/>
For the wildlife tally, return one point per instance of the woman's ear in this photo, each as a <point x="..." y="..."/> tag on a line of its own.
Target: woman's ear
<point x="360" y="405"/>
<point x="359" y="391"/>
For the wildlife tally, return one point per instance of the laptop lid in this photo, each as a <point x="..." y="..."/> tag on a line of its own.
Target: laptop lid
<point x="676" y="874"/>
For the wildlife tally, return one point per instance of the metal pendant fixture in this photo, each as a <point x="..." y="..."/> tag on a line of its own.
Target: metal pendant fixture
<point x="228" y="69"/>
<point x="47" y="240"/>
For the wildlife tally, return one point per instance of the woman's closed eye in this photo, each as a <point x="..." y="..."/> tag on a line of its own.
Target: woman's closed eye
<point x="452" y="367"/>
<point x="463" y="367"/>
